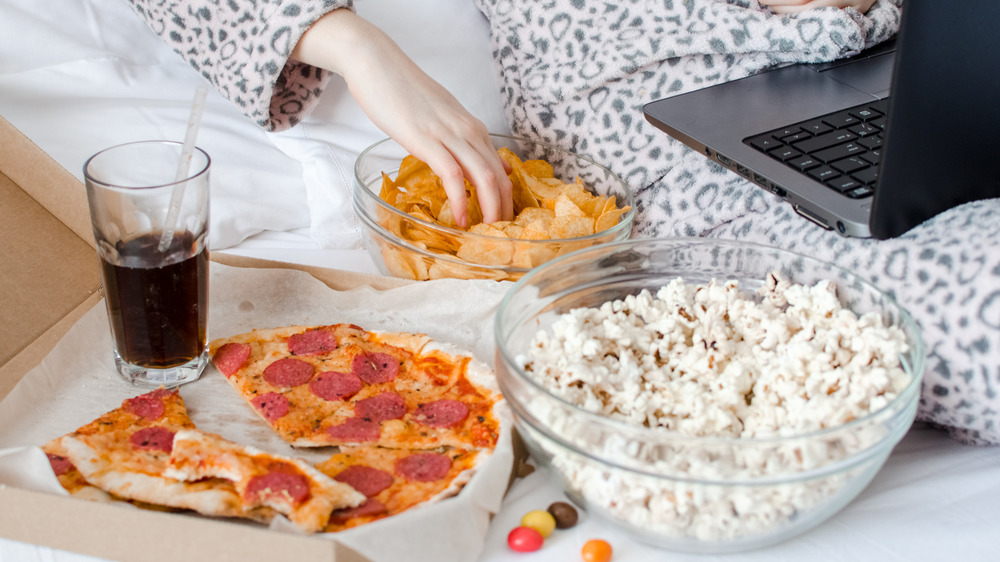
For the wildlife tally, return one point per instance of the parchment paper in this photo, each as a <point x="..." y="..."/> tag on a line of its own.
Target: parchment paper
<point x="76" y="383"/>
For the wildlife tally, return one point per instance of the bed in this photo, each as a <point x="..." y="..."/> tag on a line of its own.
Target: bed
<point x="81" y="75"/>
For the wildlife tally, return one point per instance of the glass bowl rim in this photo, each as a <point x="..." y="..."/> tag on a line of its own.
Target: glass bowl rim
<point x="897" y="404"/>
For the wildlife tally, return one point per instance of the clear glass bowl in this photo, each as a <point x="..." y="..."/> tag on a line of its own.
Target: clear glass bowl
<point x="396" y="240"/>
<point x="693" y="494"/>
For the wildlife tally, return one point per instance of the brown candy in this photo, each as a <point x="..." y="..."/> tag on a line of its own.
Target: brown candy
<point x="564" y="514"/>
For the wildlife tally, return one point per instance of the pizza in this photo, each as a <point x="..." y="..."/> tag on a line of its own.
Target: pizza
<point x="342" y="385"/>
<point x="291" y="487"/>
<point x="408" y="420"/>
<point x="394" y="480"/>
<point x="412" y="418"/>
<point x="128" y="454"/>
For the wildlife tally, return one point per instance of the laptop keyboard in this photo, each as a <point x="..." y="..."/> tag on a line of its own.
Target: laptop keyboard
<point x="841" y="150"/>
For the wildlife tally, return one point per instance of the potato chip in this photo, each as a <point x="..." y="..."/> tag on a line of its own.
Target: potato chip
<point x="538" y="169"/>
<point x="534" y="214"/>
<point x="565" y="207"/>
<point x="492" y="249"/>
<point x="571" y="227"/>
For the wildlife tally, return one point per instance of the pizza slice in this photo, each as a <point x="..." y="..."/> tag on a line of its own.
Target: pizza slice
<point x="342" y="385"/>
<point x="288" y="486"/>
<point x="394" y="480"/>
<point x="125" y="451"/>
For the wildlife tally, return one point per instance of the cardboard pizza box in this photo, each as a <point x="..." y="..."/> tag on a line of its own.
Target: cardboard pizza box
<point x="49" y="277"/>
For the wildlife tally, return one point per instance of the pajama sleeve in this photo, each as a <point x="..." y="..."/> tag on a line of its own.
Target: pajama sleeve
<point x="243" y="49"/>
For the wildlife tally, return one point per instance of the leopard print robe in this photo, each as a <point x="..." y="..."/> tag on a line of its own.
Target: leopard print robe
<point x="243" y="49"/>
<point x="576" y="73"/>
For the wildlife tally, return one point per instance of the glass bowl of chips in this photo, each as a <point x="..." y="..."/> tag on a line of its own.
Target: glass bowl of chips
<point x="563" y="202"/>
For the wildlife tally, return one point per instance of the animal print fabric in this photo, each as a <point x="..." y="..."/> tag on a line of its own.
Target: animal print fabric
<point x="576" y="73"/>
<point x="243" y="48"/>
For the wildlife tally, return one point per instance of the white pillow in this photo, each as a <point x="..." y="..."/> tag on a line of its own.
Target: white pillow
<point x="448" y="39"/>
<point x="78" y="76"/>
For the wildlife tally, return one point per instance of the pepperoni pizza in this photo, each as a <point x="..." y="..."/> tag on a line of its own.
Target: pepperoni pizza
<point x="412" y="420"/>
<point x="131" y="453"/>
<point x="343" y="385"/>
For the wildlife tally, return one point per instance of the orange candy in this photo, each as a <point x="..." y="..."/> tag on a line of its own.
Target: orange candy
<point x="596" y="550"/>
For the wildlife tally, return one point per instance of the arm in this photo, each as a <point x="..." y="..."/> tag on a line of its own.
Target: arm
<point x="411" y="107"/>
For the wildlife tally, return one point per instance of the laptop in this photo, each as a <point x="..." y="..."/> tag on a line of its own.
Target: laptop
<point x="868" y="146"/>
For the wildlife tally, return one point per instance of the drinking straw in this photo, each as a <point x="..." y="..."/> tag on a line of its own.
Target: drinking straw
<point x="194" y="122"/>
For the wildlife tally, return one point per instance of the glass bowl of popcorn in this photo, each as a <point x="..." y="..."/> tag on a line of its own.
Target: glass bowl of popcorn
<point x="563" y="202"/>
<point x="707" y="395"/>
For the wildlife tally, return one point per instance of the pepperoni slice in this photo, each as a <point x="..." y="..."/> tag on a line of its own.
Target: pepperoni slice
<point x="271" y="405"/>
<point x="355" y="430"/>
<point x="371" y="506"/>
<point x="153" y="438"/>
<point x="375" y="368"/>
<point x="441" y="413"/>
<point x="288" y="372"/>
<point x="381" y="407"/>
<point x="365" y="479"/>
<point x="312" y="342"/>
<point x="290" y="487"/>
<point x="230" y="357"/>
<point x="147" y="406"/>
<point x="333" y="385"/>
<point x="60" y="464"/>
<point x="423" y="467"/>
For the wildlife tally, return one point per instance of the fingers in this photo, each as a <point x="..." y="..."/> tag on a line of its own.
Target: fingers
<point x="477" y="161"/>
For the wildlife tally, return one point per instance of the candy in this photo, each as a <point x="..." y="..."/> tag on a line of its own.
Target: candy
<point x="596" y="550"/>
<point x="524" y="539"/>
<point x="541" y="521"/>
<point x="564" y="514"/>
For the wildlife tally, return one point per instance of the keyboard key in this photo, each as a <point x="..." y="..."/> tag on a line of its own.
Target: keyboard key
<point x="827" y="140"/>
<point x="839" y="151"/>
<point x="784" y="153"/>
<point x="871" y="143"/>
<point x="782" y="133"/>
<point x="849" y="165"/>
<point x="864" y="130"/>
<point x="873" y="157"/>
<point x="823" y="173"/>
<point x="764" y="143"/>
<point x="865" y="113"/>
<point x="803" y="163"/>
<point x="844" y="184"/>
<point x="816" y="127"/>
<point x="790" y="139"/>
<point x="868" y="176"/>
<point x="858" y="193"/>
<point x="840" y="120"/>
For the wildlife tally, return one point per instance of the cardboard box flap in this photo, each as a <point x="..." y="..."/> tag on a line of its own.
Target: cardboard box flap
<point x="45" y="181"/>
<point x="47" y="268"/>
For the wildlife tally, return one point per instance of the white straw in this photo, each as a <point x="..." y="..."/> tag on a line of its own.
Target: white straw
<point x="194" y="122"/>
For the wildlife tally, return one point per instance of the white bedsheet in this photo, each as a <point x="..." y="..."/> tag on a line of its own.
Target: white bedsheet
<point x="79" y="75"/>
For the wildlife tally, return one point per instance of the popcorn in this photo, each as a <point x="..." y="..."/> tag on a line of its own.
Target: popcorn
<point x="711" y="361"/>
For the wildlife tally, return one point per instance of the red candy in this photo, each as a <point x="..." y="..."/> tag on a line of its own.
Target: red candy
<point x="524" y="539"/>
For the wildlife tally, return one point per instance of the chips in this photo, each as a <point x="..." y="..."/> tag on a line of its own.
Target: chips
<point x="545" y="208"/>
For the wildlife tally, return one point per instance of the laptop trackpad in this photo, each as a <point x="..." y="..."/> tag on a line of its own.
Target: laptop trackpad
<point x="872" y="75"/>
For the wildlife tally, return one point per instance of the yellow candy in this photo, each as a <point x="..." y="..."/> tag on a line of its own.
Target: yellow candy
<point x="539" y="520"/>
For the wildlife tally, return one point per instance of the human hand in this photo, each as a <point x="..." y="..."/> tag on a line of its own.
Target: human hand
<point x="794" y="6"/>
<point x="412" y="108"/>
